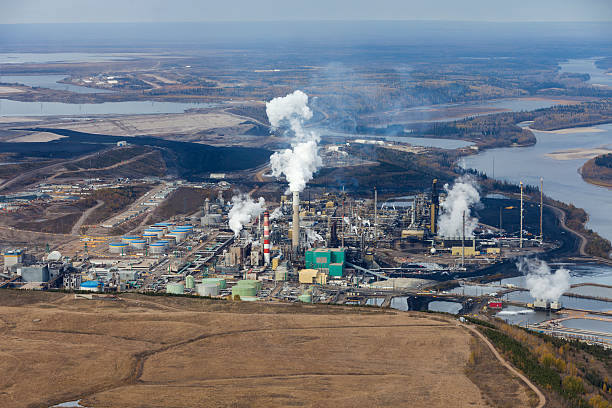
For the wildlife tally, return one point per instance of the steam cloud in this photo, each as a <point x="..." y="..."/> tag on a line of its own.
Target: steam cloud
<point x="312" y="237"/>
<point x="277" y="213"/>
<point x="243" y="210"/>
<point x="459" y="198"/>
<point x="299" y="163"/>
<point x="543" y="284"/>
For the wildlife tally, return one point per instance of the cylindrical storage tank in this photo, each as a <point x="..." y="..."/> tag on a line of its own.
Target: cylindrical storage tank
<point x="178" y="236"/>
<point x="189" y="282"/>
<point x="117" y="247"/>
<point x="150" y="236"/>
<point x="170" y="239"/>
<point x="184" y="233"/>
<point x="129" y="238"/>
<point x="157" y="248"/>
<point x="244" y="290"/>
<point x="306" y="298"/>
<point x="207" y="289"/>
<point x="218" y="281"/>
<point x="175" y="288"/>
<point x="186" y="228"/>
<point x="157" y="231"/>
<point x="139" y="243"/>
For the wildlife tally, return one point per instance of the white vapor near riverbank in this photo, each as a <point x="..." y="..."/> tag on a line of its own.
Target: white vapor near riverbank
<point x="541" y="281"/>
<point x="243" y="210"/>
<point x="299" y="163"/>
<point x="459" y="199"/>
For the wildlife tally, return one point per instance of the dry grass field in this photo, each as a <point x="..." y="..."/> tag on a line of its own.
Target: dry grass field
<point x="177" y="352"/>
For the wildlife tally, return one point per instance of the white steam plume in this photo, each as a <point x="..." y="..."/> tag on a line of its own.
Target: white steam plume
<point x="458" y="200"/>
<point x="243" y="210"/>
<point x="277" y="213"/>
<point x="541" y="282"/>
<point x="299" y="163"/>
<point x="312" y="237"/>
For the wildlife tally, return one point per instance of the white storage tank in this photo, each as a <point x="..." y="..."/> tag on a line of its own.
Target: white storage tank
<point x="118" y="247"/>
<point x="157" y="248"/>
<point x="159" y="232"/>
<point x="150" y="236"/>
<point x="207" y="289"/>
<point x="175" y="288"/>
<point x="171" y="239"/>
<point x="129" y="238"/>
<point x="178" y="236"/>
<point x="139" y="243"/>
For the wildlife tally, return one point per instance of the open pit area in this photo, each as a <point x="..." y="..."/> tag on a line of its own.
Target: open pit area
<point x="146" y="351"/>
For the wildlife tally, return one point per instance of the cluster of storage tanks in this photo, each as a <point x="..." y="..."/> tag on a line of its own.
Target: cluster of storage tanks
<point x="158" y="238"/>
<point x="208" y="287"/>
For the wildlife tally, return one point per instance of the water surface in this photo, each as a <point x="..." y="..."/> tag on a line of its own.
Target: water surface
<point x="18" y="108"/>
<point x="49" y="82"/>
<point x="587" y="66"/>
<point x="561" y="178"/>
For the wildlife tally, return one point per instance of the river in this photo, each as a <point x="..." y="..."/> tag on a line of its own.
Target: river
<point x="18" y="108"/>
<point x="561" y="178"/>
<point x="587" y="66"/>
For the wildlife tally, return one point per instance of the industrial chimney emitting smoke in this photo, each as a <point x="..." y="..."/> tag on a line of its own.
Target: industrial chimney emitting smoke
<point x="266" y="237"/>
<point x="295" y="235"/>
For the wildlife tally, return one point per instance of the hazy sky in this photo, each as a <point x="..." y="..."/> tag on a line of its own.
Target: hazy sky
<point x="74" y="11"/>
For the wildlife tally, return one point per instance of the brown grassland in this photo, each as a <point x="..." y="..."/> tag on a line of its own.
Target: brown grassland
<point x="141" y="351"/>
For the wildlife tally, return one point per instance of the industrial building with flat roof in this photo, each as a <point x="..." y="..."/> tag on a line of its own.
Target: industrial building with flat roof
<point x="330" y="260"/>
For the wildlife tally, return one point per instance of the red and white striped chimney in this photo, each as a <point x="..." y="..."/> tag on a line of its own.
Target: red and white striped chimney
<point x="266" y="235"/>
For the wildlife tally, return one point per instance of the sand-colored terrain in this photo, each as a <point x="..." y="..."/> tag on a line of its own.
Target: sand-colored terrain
<point x="175" y="352"/>
<point x="573" y="154"/>
<point x="162" y="124"/>
<point x="570" y="131"/>
<point x="10" y="90"/>
<point x="36" y="137"/>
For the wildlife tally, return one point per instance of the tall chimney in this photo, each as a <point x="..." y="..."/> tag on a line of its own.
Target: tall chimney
<point x="435" y="206"/>
<point x="295" y="235"/>
<point x="521" y="236"/>
<point x="266" y="237"/>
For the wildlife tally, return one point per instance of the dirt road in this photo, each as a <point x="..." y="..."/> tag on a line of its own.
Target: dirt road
<point x="505" y="363"/>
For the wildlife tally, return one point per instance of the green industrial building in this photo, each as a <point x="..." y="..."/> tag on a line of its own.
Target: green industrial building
<point x="330" y="260"/>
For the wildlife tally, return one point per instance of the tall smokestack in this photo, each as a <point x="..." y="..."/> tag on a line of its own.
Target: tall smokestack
<point x="266" y="237"/>
<point x="295" y="235"/>
<point x="435" y="205"/>
<point x="521" y="236"/>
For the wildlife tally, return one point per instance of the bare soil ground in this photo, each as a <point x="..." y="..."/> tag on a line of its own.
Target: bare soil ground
<point x="178" y="352"/>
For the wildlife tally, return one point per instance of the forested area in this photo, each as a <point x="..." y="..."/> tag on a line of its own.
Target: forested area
<point x="570" y="373"/>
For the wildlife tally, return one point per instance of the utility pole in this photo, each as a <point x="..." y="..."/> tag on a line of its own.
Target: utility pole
<point x="541" y="208"/>
<point x="463" y="242"/>
<point x="375" y="216"/>
<point x="521" y="232"/>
